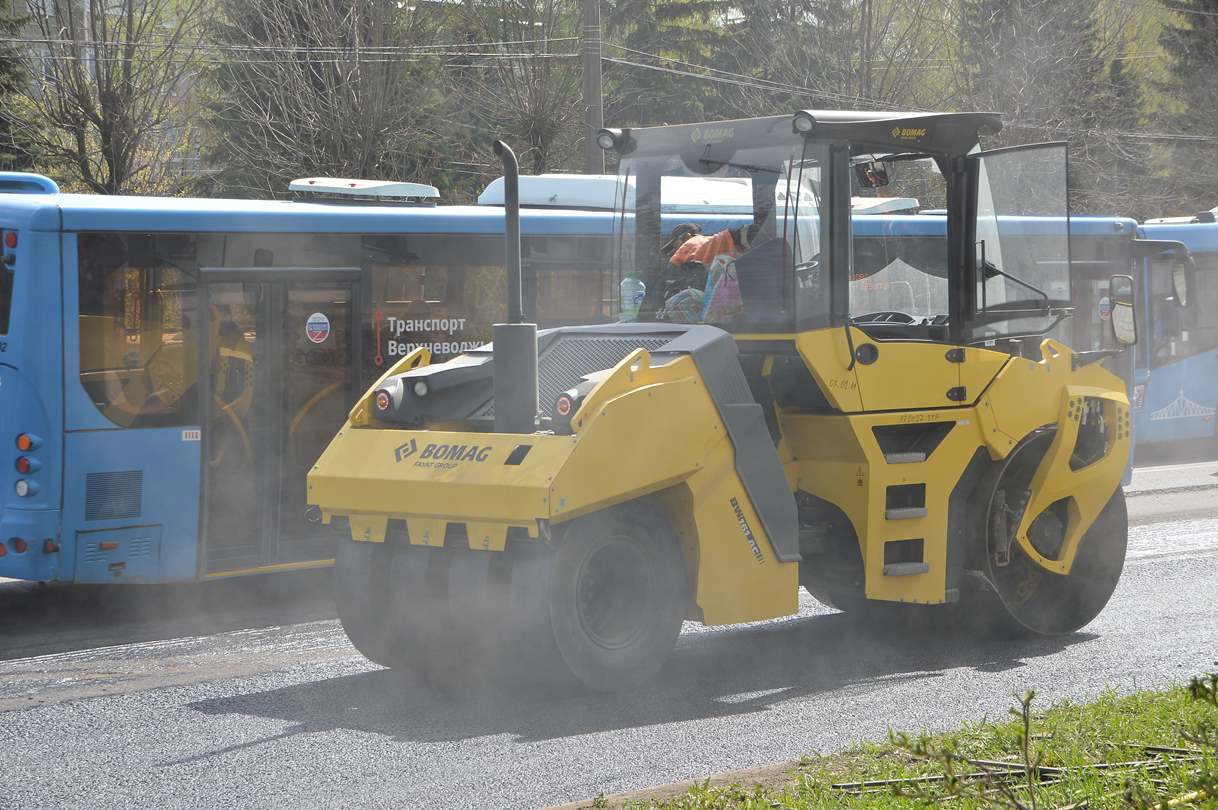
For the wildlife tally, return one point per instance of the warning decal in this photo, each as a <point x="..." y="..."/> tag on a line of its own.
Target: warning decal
<point x="317" y="327"/>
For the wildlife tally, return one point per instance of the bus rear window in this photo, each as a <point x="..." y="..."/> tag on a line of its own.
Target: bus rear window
<point x="6" y="298"/>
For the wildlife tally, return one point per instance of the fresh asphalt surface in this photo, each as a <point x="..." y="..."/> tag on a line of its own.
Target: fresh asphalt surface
<point x="230" y="696"/>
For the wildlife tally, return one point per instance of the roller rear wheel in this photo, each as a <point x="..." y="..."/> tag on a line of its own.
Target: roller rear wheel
<point x="617" y="596"/>
<point x="602" y="605"/>
<point x="360" y="594"/>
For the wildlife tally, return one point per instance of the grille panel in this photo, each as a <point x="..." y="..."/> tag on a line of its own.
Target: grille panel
<point x="569" y="358"/>
<point x="564" y="363"/>
<point x="114" y="495"/>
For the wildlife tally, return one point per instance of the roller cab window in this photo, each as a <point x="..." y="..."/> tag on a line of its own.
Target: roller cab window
<point x="722" y="234"/>
<point x="899" y="278"/>
<point x="1021" y="248"/>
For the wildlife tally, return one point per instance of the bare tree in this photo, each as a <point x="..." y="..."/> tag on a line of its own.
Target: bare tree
<point x="526" y="85"/>
<point x="325" y="87"/>
<point x="110" y="86"/>
<point x="1056" y="69"/>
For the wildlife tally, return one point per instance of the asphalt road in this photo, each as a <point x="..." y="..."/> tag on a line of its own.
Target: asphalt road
<point x="224" y="696"/>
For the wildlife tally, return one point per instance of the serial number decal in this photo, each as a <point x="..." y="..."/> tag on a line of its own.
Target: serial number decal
<point x="747" y="531"/>
<point x="907" y="418"/>
<point x="844" y="384"/>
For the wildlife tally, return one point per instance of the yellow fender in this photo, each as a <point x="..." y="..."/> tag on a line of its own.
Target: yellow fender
<point x="1030" y="395"/>
<point x="1086" y="490"/>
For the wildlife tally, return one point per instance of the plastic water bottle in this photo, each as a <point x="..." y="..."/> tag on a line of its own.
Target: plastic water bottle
<point x="632" y="291"/>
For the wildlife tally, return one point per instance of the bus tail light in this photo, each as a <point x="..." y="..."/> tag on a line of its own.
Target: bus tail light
<point x="27" y="442"/>
<point x="10" y="239"/>
<point x="19" y="545"/>
<point x="25" y="488"/>
<point x="49" y="546"/>
<point x="25" y="465"/>
<point x="3" y="549"/>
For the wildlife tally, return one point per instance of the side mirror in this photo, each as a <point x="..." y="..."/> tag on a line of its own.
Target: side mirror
<point x="1181" y="270"/>
<point x="871" y="174"/>
<point x="1124" y="322"/>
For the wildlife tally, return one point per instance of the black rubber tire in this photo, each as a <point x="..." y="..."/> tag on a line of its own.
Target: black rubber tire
<point x="1051" y="604"/>
<point x="361" y="595"/>
<point x="618" y="592"/>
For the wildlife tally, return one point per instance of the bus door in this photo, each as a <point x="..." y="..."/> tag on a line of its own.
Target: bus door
<point x="281" y="350"/>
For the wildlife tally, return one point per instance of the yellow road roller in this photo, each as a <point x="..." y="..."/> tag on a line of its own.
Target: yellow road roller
<point x="780" y="403"/>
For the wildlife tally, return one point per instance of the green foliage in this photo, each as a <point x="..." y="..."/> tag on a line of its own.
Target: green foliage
<point x="1150" y="749"/>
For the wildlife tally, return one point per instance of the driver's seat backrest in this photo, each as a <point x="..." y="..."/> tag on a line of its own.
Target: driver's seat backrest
<point x="760" y="272"/>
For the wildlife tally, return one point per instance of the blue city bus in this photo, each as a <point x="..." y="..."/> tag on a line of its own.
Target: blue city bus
<point x="171" y="368"/>
<point x="1175" y="393"/>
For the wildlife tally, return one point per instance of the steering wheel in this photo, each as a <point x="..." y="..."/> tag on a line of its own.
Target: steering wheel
<point x="887" y="317"/>
<point x="810" y="264"/>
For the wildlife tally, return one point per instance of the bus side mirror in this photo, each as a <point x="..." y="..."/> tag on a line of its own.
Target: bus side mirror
<point x="1124" y="324"/>
<point x="1181" y="270"/>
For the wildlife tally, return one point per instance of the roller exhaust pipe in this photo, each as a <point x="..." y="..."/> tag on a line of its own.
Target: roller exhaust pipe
<point x="515" y="342"/>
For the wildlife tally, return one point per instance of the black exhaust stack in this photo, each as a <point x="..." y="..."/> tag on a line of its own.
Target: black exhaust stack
<point x="515" y="342"/>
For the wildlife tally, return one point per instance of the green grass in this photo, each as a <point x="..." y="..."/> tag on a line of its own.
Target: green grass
<point x="1072" y="737"/>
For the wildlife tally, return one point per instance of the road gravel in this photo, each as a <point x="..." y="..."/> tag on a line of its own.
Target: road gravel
<point x="285" y="712"/>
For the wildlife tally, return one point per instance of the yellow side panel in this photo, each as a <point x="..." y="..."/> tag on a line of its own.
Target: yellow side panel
<point x="906" y="375"/>
<point x="979" y="369"/>
<point x="642" y="441"/>
<point x="827" y="356"/>
<point x="669" y="437"/>
<point x="739" y="579"/>
<point x="841" y="462"/>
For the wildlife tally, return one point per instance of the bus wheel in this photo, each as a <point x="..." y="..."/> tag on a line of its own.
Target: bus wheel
<point x="618" y="594"/>
<point x="360" y="590"/>
<point x="1034" y="601"/>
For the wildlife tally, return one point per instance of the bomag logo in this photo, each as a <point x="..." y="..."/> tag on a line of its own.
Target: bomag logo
<point x="711" y="134"/>
<point x="440" y="455"/>
<point x="907" y="133"/>
<point x="405" y="450"/>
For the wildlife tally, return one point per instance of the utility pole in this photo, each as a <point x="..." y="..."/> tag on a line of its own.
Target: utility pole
<point x="594" y="113"/>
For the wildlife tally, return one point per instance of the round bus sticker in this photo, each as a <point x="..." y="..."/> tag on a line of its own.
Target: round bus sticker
<point x="317" y="327"/>
<point x="1105" y="308"/>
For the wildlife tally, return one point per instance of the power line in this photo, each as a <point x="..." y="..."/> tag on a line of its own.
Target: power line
<point x="292" y="50"/>
<point x="752" y="83"/>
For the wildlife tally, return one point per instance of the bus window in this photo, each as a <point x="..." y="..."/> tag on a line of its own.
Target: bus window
<point x="573" y="279"/>
<point x="1179" y="332"/>
<point x="443" y="292"/>
<point x="137" y="347"/>
<point x="434" y="291"/>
